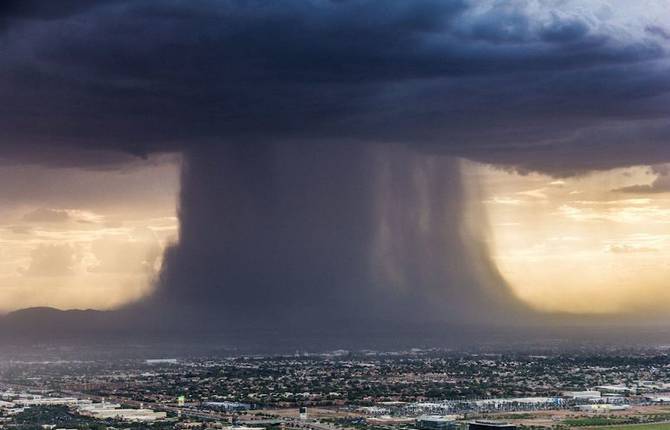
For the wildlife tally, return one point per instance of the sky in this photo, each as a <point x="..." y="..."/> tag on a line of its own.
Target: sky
<point x="336" y="165"/>
<point x="595" y="243"/>
<point x="84" y="238"/>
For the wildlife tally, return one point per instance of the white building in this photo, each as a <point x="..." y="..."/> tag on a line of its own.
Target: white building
<point x="161" y="361"/>
<point x="620" y="388"/>
<point x="243" y="428"/>
<point x="114" y="411"/>
<point x="41" y="401"/>
<point x="658" y="398"/>
<point x="582" y="395"/>
<point x="602" y="407"/>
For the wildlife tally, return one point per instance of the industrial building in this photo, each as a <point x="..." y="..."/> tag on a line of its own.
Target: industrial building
<point x="228" y="406"/>
<point x="113" y="410"/>
<point x="153" y="361"/>
<point x="658" y="398"/>
<point x="601" y="407"/>
<point x="436" y="422"/>
<point x="582" y="395"/>
<point x="490" y="425"/>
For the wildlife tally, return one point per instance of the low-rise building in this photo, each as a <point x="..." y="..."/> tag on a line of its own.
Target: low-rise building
<point x="490" y="425"/>
<point x="582" y="395"/>
<point x="601" y="407"/>
<point x="436" y="422"/>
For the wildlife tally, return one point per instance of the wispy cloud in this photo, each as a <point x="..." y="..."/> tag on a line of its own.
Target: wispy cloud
<point x="539" y="193"/>
<point x="504" y="201"/>
<point x="630" y="249"/>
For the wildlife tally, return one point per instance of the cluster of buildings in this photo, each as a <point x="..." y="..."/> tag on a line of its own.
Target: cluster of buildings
<point x="448" y="422"/>
<point x="440" y="415"/>
<point x="342" y="378"/>
<point x="425" y="390"/>
<point x="508" y="404"/>
<point x="13" y="403"/>
<point x="227" y="406"/>
<point x="104" y="411"/>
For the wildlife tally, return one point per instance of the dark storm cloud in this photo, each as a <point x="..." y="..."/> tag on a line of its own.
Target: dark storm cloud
<point x="16" y="12"/>
<point x="44" y="9"/>
<point x="658" y="31"/>
<point x="289" y="115"/>
<point x="160" y="75"/>
<point x="660" y="184"/>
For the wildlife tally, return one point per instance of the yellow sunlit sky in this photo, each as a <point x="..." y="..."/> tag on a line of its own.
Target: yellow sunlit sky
<point x="597" y="243"/>
<point x="84" y="238"/>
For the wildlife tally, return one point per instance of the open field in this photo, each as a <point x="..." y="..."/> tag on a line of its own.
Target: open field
<point x="645" y="416"/>
<point x="652" y="426"/>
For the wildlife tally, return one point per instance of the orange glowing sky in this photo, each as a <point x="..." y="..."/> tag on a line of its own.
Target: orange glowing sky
<point x="597" y="243"/>
<point x="84" y="238"/>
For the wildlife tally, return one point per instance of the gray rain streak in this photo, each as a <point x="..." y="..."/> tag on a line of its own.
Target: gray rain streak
<point x="319" y="234"/>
